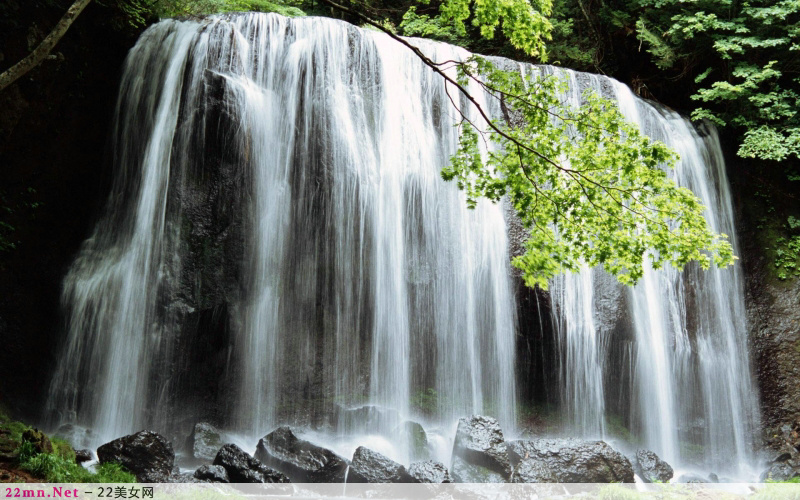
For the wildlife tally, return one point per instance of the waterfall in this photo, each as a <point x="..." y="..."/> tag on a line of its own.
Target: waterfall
<point x="281" y="177"/>
<point x="278" y="247"/>
<point x="690" y="393"/>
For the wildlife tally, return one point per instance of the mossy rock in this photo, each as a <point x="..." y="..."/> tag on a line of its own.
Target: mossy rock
<point x="39" y="440"/>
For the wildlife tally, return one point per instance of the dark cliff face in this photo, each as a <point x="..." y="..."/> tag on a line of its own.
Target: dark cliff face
<point x="761" y="196"/>
<point x="54" y="177"/>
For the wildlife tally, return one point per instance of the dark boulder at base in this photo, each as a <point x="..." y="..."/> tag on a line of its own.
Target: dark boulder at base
<point x="651" y="468"/>
<point x="429" y="472"/>
<point x="146" y="454"/>
<point x="780" y="472"/>
<point x="242" y="468"/>
<point x="39" y="440"/>
<point x="464" y="472"/>
<point x="302" y="461"/>
<point x="212" y="474"/>
<point x="204" y="442"/>
<point x="479" y="451"/>
<point x="370" y="466"/>
<point x="83" y="455"/>
<point x="574" y="460"/>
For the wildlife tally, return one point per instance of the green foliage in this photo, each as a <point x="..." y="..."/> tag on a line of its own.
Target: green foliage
<point x="436" y="28"/>
<point x="26" y="451"/>
<point x="524" y="23"/>
<point x="588" y="185"/>
<point x="12" y="426"/>
<point x="56" y="469"/>
<point x="787" y="257"/>
<point x="745" y="55"/>
<point x="63" y="449"/>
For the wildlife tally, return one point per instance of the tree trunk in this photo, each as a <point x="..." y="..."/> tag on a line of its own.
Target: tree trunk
<point x="44" y="48"/>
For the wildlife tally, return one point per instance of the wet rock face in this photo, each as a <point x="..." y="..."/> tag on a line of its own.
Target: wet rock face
<point x="651" y="468"/>
<point x="370" y="466"/>
<point x="212" y="474"/>
<point x="146" y="454"/>
<point x="478" y="445"/>
<point x="204" y="442"/>
<point x="772" y="311"/>
<point x="429" y="472"/>
<point x="532" y="471"/>
<point x="785" y="462"/>
<point x="302" y="461"/>
<point x="242" y="468"/>
<point x="570" y="461"/>
<point x="780" y="472"/>
<point x="465" y="472"/>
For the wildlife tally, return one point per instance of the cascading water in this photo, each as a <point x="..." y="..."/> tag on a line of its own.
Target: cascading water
<point x="689" y="386"/>
<point x="363" y="278"/>
<point x="278" y="244"/>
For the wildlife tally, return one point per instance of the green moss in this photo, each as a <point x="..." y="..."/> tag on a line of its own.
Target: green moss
<point x="14" y="427"/>
<point x="63" y="449"/>
<point x="616" y="427"/>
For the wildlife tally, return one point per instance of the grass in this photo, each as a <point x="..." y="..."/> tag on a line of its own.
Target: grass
<point x="54" y="468"/>
<point x="15" y="428"/>
<point x="59" y="466"/>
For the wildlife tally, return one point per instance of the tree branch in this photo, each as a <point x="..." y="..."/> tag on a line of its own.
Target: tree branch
<point x="37" y="56"/>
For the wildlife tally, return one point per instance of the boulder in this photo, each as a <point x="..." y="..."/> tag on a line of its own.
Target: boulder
<point x="212" y="474"/>
<point x="479" y="444"/>
<point x="83" y="455"/>
<point x="574" y="460"/>
<point x="414" y="434"/>
<point x="302" y="461"/>
<point x="429" y="472"/>
<point x="370" y="466"/>
<point x="465" y="472"/>
<point x="204" y="442"/>
<point x="39" y="440"/>
<point x="651" y="468"/>
<point x="146" y="454"/>
<point x="691" y="478"/>
<point x="780" y="472"/>
<point x="242" y="468"/>
<point x="532" y="471"/>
